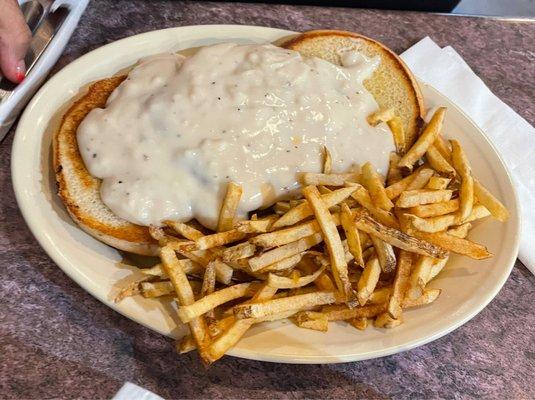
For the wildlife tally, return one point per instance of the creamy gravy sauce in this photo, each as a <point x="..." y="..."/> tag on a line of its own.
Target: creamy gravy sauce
<point x="178" y="129"/>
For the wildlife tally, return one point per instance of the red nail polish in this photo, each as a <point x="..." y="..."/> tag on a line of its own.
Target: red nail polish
<point x="20" y="77"/>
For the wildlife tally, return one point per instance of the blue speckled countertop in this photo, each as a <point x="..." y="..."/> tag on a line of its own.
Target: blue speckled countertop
<point x="58" y="341"/>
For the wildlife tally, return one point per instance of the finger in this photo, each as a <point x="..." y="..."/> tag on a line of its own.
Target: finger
<point x="15" y="38"/>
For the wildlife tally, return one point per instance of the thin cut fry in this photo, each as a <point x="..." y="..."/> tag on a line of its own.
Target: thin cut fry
<point x="283" y="264"/>
<point x="327" y="161"/>
<point x="394" y="173"/>
<point x="443" y="147"/>
<point x="185" y="230"/>
<point x="282" y="282"/>
<point x="454" y="244"/>
<point x="400" y="283"/>
<point x="239" y="251"/>
<point x="312" y="320"/>
<point x="437" y="182"/>
<point x="359" y="323"/>
<point x="396" y="238"/>
<point x="466" y="192"/>
<point x="419" y="277"/>
<point x="363" y="198"/>
<point x="371" y="181"/>
<point x="429" y="296"/>
<point x="412" y="198"/>
<point x="269" y="257"/>
<point x="340" y="313"/>
<point x="420" y="177"/>
<point x="435" y="209"/>
<point x="309" y="178"/>
<point x="332" y="241"/>
<point x="229" y="207"/>
<point x="156" y="289"/>
<point x="288" y="235"/>
<point x="256" y="226"/>
<point x="443" y="222"/>
<point x="211" y="301"/>
<point x="485" y="198"/>
<point x="461" y="230"/>
<point x="439" y="163"/>
<point x="219" y="239"/>
<point x="368" y="280"/>
<point x="352" y="234"/>
<point x="185" y="297"/>
<point x="303" y="210"/>
<point x="271" y="307"/>
<point x="426" y="138"/>
<point x="385" y="320"/>
<point x="385" y="254"/>
<point x="398" y="133"/>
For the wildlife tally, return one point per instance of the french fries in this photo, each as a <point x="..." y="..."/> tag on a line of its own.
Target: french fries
<point x="229" y="207"/>
<point x="426" y="139"/>
<point x="332" y="240"/>
<point x="292" y="260"/>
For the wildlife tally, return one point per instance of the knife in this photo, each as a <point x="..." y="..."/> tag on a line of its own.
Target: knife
<point x="52" y="24"/>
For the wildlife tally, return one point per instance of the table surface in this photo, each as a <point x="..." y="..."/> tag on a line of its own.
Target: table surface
<point x="58" y="341"/>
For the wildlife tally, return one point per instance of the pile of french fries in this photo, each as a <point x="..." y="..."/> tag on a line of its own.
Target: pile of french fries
<point x="352" y="247"/>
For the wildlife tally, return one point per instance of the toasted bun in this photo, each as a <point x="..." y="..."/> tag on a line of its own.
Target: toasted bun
<point x="392" y="85"/>
<point x="80" y="191"/>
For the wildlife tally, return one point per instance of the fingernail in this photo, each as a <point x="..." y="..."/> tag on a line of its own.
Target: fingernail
<point x="20" y="73"/>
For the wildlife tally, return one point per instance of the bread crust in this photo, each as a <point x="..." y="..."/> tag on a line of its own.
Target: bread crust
<point x="121" y="234"/>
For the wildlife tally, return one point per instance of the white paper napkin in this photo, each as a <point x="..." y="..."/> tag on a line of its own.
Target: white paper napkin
<point x="130" y="391"/>
<point x="509" y="132"/>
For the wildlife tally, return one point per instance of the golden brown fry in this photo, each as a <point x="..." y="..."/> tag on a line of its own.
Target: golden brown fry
<point x="385" y="320"/>
<point x="438" y="183"/>
<point x="283" y="264"/>
<point x="157" y="270"/>
<point x="256" y="226"/>
<point x="412" y="198"/>
<point x="288" y="235"/>
<point x="379" y="116"/>
<point x="363" y="198"/>
<point x="417" y="180"/>
<point x="454" y="244"/>
<point x="438" y="162"/>
<point x="368" y="280"/>
<point x="385" y="254"/>
<point x="435" y="209"/>
<point x="269" y="257"/>
<point x="419" y="276"/>
<point x="185" y="230"/>
<point x="312" y="320"/>
<point x="466" y="192"/>
<point x="429" y="296"/>
<point x="327" y="160"/>
<point x="461" y="230"/>
<point x="332" y="241"/>
<point x="426" y="138"/>
<point x="359" y="323"/>
<point x="188" y="312"/>
<point x="342" y="312"/>
<point x="229" y="207"/>
<point x="443" y="147"/>
<point x="271" y="307"/>
<point x="371" y="181"/>
<point x="443" y="222"/>
<point x="303" y="210"/>
<point x="239" y="251"/>
<point x="186" y="344"/>
<point x="219" y="239"/>
<point x="352" y="234"/>
<point x="396" y="238"/>
<point x="156" y="289"/>
<point x="399" y="286"/>
<point x="398" y="133"/>
<point x="309" y="178"/>
<point x="486" y="198"/>
<point x="185" y="297"/>
<point x="394" y="173"/>
<point x="282" y="282"/>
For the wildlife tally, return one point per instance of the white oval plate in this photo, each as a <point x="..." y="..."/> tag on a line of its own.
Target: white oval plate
<point x="468" y="285"/>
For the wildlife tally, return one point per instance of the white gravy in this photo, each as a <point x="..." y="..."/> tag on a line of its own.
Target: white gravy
<point x="178" y="129"/>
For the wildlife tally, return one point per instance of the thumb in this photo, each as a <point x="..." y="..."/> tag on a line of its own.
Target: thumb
<point x="15" y="38"/>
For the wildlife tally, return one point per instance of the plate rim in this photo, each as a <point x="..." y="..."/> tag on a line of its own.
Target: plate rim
<point x="54" y="252"/>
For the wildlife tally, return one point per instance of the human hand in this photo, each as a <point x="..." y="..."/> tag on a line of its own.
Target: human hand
<point x="15" y="39"/>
